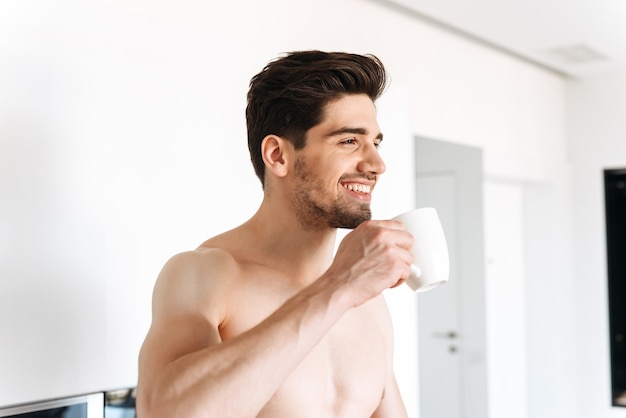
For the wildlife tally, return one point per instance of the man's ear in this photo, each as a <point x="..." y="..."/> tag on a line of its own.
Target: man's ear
<point x="276" y="152"/>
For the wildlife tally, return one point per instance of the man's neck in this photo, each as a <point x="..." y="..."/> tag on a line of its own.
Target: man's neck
<point x="284" y="242"/>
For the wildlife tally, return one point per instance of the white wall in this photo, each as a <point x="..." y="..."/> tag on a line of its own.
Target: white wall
<point x="505" y="299"/>
<point x="122" y="141"/>
<point x="598" y="141"/>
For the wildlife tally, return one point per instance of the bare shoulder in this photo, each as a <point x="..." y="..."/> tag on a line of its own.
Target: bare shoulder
<point x="188" y="306"/>
<point x="194" y="282"/>
<point x="198" y="285"/>
<point x="206" y="264"/>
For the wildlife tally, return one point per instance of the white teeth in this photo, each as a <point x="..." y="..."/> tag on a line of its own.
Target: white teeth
<point x="356" y="187"/>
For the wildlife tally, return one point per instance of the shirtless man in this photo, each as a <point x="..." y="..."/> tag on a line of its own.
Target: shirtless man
<point x="262" y="321"/>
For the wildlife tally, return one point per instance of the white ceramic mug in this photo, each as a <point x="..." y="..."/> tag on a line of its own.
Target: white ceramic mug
<point x="432" y="265"/>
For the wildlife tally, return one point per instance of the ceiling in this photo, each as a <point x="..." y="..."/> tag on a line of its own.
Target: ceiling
<point x="577" y="38"/>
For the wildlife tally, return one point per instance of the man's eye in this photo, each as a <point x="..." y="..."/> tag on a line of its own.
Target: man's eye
<point x="349" y="141"/>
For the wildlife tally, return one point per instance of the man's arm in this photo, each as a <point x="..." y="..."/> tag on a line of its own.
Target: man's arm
<point x="186" y="370"/>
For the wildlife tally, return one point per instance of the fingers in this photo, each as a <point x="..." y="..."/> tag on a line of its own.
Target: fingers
<point x="388" y="223"/>
<point x="389" y="239"/>
<point x="404" y="241"/>
<point x="399" y="236"/>
<point x="398" y="283"/>
<point x="376" y="255"/>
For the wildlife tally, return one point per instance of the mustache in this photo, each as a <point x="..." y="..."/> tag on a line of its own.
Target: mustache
<point x="353" y="176"/>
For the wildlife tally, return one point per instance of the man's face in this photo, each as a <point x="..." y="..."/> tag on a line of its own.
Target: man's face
<point x="336" y="171"/>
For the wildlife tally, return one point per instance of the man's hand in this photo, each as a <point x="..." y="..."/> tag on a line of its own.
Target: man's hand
<point x="375" y="256"/>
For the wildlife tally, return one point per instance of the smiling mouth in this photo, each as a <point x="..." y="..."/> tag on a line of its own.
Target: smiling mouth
<point x="358" y="188"/>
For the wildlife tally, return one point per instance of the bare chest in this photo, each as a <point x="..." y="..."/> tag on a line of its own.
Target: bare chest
<point x="343" y="376"/>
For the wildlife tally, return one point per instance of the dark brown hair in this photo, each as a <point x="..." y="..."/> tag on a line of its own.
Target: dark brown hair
<point x="288" y="96"/>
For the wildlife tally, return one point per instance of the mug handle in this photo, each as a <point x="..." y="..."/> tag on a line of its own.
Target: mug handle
<point x="416" y="271"/>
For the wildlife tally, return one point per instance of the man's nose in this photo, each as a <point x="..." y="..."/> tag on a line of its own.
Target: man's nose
<point x="372" y="161"/>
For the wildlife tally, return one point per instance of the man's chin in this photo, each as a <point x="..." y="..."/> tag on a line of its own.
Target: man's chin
<point x="351" y="220"/>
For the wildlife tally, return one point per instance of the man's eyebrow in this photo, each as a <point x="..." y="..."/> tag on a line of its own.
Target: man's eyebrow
<point x="357" y="131"/>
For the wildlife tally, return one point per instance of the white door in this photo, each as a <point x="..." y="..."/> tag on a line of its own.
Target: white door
<point x="451" y="318"/>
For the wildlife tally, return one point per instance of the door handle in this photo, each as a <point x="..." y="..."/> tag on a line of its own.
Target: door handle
<point x="450" y="335"/>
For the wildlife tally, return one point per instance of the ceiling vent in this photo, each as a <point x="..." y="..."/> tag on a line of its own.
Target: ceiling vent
<point x="576" y="54"/>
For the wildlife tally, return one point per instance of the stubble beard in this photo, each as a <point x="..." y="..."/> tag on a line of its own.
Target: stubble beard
<point x="313" y="215"/>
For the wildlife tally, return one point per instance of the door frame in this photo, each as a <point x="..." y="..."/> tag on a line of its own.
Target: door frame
<point x="466" y="162"/>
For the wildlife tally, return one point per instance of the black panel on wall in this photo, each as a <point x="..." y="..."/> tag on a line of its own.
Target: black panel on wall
<point x="615" y="205"/>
